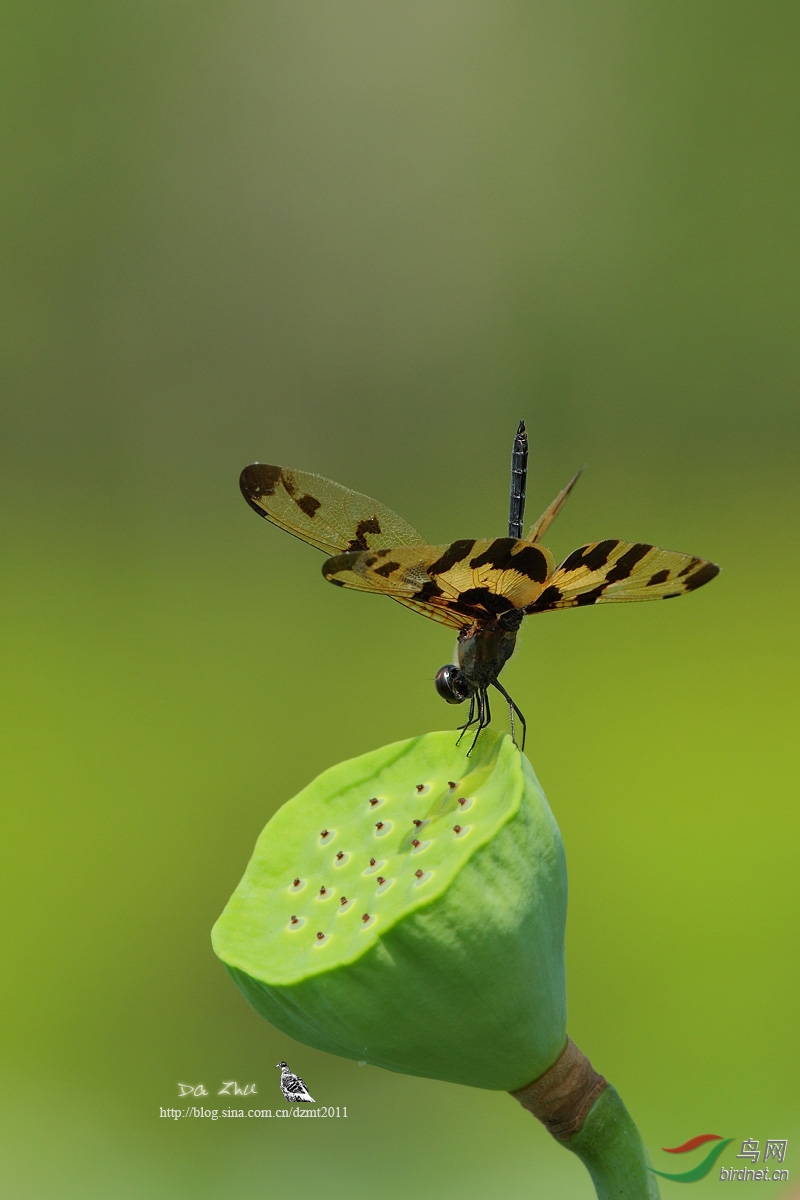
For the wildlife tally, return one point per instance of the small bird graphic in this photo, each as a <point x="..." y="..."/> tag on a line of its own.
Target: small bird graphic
<point x="293" y="1087"/>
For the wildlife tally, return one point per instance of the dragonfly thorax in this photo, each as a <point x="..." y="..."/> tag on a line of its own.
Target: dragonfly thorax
<point x="481" y="657"/>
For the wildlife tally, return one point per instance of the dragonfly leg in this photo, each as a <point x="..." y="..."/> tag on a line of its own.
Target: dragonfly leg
<point x="470" y="719"/>
<point x="512" y="708"/>
<point x="484" y="716"/>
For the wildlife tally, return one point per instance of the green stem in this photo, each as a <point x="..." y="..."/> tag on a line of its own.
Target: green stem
<point x="586" y="1115"/>
<point x="610" y="1148"/>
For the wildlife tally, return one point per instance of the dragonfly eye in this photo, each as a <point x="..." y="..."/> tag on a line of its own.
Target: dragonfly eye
<point x="452" y="684"/>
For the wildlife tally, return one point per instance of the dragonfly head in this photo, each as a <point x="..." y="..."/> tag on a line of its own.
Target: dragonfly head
<point x="452" y="684"/>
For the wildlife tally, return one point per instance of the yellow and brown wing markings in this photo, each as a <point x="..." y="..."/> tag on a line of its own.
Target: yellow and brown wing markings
<point x="613" y="571"/>
<point x="325" y="514"/>
<point x="540" y="527"/>
<point x="459" y="584"/>
<point x="467" y="581"/>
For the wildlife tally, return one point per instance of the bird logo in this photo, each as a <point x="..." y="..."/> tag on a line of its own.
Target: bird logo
<point x="293" y="1087"/>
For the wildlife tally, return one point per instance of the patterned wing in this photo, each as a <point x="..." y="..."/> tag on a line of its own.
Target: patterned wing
<point x="540" y="527"/>
<point x="319" y="511"/>
<point x="608" y="571"/>
<point x="460" y="584"/>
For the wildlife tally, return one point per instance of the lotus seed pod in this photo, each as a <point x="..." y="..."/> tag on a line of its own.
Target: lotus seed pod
<point x="407" y="909"/>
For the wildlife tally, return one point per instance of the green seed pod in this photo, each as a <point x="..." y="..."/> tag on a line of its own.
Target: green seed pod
<point x="407" y="909"/>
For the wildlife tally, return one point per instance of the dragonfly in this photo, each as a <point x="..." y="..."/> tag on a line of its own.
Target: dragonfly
<point x="481" y="588"/>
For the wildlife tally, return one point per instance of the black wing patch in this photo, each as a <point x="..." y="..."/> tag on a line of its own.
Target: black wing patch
<point x="465" y="582"/>
<point x="325" y="514"/>
<point x="614" y="571"/>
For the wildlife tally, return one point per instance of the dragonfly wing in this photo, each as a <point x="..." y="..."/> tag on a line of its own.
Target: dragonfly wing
<point x="325" y="514"/>
<point x="540" y="527"/>
<point x="465" y="582"/>
<point x="613" y="571"/>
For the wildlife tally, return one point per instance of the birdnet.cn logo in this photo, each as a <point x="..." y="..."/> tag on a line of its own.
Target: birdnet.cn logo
<point x="774" y="1152"/>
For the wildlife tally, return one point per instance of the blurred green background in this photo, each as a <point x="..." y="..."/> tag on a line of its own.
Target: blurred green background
<point x="364" y="239"/>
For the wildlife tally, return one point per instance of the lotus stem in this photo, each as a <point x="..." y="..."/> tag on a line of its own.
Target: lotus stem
<point x="587" y="1116"/>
